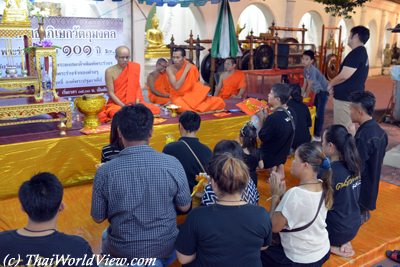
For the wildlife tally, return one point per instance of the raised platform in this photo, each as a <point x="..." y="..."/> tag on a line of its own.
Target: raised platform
<point x="24" y="110"/>
<point x="73" y="158"/>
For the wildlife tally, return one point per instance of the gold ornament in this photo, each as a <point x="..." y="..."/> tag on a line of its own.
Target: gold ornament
<point x="90" y="106"/>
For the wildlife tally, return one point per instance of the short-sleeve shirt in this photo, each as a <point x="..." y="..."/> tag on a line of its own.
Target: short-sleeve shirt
<point x="225" y="235"/>
<point x="319" y="82"/>
<point x="299" y="207"/>
<point x="14" y="245"/>
<point x="250" y="194"/>
<point x="344" y="217"/>
<point x="137" y="192"/>
<point x="356" y="59"/>
<point x="192" y="167"/>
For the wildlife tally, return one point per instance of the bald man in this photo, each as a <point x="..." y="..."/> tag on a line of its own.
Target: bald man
<point x="157" y="83"/>
<point x="123" y="85"/>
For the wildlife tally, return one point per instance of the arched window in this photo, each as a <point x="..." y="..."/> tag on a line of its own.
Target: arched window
<point x="255" y="20"/>
<point x="346" y="27"/>
<point x="179" y="22"/>
<point x="312" y="21"/>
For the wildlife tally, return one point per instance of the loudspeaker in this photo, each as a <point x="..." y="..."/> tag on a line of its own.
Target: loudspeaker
<point x="283" y="56"/>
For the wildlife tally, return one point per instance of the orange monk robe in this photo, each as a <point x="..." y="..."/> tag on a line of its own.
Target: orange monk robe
<point x="193" y="95"/>
<point x="232" y="84"/>
<point x="127" y="89"/>
<point x="161" y="84"/>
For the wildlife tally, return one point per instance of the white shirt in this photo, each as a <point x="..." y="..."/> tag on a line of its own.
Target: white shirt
<point x="299" y="207"/>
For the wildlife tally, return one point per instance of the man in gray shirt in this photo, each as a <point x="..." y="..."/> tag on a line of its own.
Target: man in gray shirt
<point x="138" y="192"/>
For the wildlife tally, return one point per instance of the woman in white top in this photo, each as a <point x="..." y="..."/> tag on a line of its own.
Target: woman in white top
<point x="300" y="214"/>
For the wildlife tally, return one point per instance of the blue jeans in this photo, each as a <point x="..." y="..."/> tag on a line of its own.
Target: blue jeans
<point x="320" y="102"/>
<point x="164" y="262"/>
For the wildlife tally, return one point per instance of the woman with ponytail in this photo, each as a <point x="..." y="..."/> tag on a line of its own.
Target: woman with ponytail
<point x="230" y="232"/>
<point x="343" y="221"/>
<point x="299" y="214"/>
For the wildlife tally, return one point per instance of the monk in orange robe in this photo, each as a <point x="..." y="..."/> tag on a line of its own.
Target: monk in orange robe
<point x="123" y="85"/>
<point x="186" y="91"/>
<point x="232" y="82"/>
<point x="158" y="85"/>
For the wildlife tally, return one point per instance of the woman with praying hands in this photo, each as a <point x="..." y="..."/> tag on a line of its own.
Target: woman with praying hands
<point x="299" y="214"/>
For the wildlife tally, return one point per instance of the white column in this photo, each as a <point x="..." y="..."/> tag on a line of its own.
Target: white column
<point x="381" y="37"/>
<point x="138" y="25"/>
<point x="363" y="16"/>
<point x="290" y="8"/>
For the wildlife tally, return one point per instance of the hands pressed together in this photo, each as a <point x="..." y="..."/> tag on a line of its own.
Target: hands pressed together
<point x="277" y="181"/>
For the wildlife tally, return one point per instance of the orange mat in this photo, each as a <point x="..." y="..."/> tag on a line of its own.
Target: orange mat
<point x="381" y="232"/>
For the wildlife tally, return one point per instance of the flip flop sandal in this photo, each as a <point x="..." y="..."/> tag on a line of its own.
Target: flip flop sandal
<point x="393" y="255"/>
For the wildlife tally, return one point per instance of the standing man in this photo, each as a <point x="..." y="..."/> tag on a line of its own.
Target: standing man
<point x="352" y="76"/>
<point x="232" y="83"/>
<point x="123" y="85"/>
<point x="138" y="192"/>
<point x="157" y="83"/>
<point x="371" y="141"/>
<point x="186" y="91"/>
<point x="193" y="155"/>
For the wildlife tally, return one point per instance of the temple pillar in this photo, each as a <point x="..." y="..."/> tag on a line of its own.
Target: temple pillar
<point x="363" y="15"/>
<point x="290" y="8"/>
<point x="381" y="38"/>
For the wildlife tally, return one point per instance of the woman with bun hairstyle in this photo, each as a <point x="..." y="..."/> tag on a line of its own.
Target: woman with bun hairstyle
<point x="230" y="232"/>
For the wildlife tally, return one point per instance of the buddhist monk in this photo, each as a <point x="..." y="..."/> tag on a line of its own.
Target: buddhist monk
<point x="123" y="85"/>
<point x="232" y="82"/>
<point x="157" y="83"/>
<point x="186" y="91"/>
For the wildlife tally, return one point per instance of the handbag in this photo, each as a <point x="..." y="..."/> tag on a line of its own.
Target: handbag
<point x="276" y="239"/>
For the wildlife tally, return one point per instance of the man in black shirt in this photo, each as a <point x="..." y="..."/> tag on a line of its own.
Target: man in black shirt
<point x="352" y="76"/>
<point x="277" y="132"/>
<point x="39" y="243"/>
<point x="189" y="124"/>
<point x="371" y="141"/>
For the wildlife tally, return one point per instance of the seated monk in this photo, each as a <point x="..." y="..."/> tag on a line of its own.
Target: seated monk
<point x="157" y="83"/>
<point x="123" y="85"/>
<point x="186" y="91"/>
<point x="232" y="82"/>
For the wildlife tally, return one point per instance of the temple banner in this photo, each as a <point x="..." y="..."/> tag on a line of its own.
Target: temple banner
<point x="86" y="49"/>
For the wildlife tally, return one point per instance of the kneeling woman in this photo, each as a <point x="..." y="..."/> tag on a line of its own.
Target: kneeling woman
<point x="230" y="232"/>
<point x="299" y="217"/>
<point x="343" y="220"/>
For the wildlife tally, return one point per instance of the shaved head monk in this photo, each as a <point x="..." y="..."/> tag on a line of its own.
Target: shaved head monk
<point x="123" y="85"/>
<point x="157" y="83"/>
<point x="186" y="91"/>
<point x="232" y="82"/>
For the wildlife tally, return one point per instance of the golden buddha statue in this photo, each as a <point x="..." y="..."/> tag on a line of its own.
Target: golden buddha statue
<point x="16" y="13"/>
<point x="331" y="44"/>
<point x="155" y="38"/>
